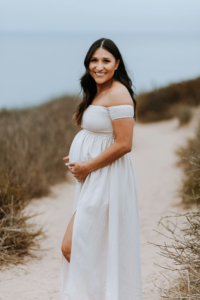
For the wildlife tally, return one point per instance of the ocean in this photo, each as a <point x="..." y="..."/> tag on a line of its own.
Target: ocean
<point x="35" y="68"/>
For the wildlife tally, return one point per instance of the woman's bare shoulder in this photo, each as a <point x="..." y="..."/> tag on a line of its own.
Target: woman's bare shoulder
<point x="119" y="95"/>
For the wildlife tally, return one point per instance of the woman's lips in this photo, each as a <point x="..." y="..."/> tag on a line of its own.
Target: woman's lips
<point x="99" y="74"/>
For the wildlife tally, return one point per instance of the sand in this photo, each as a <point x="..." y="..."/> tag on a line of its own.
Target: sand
<point x="158" y="179"/>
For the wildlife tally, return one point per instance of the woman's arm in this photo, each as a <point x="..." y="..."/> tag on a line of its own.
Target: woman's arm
<point x="123" y="130"/>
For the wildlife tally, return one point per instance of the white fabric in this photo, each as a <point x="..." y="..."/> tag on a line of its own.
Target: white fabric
<point x="105" y="259"/>
<point x="121" y="111"/>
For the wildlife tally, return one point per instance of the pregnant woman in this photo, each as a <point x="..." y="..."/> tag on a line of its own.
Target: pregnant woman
<point x="101" y="246"/>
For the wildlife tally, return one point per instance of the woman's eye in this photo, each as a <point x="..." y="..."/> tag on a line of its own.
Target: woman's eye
<point x="92" y="60"/>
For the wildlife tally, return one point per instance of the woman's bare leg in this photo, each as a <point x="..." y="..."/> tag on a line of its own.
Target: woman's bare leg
<point x="67" y="240"/>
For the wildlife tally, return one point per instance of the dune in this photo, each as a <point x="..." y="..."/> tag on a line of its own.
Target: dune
<point x="158" y="178"/>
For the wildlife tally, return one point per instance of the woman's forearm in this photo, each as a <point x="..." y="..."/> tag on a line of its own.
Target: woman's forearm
<point x="115" y="151"/>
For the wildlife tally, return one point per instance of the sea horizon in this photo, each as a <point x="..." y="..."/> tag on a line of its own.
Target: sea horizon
<point x="39" y="66"/>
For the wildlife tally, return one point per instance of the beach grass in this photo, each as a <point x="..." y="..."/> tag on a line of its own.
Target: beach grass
<point x="33" y="143"/>
<point x="174" y="101"/>
<point x="17" y="235"/>
<point x="181" y="247"/>
<point x="190" y="163"/>
<point x="182" y="250"/>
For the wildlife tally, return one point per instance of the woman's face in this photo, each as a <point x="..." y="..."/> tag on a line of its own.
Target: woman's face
<point x="102" y="65"/>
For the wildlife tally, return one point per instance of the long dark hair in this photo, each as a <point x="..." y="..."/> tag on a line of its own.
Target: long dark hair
<point x="88" y="84"/>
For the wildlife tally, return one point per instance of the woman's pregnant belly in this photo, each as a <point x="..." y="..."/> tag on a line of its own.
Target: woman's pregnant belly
<point x="87" y="145"/>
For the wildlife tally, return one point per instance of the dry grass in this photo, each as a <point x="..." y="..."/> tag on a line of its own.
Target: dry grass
<point x="183" y="232"/>
<point x="32" y="145"/>
<point x="17" y="237"/>
<point x="183" y="277"/>
<point x="190" y="163"/>
<point x="34" y="141"/>
<point x="183" y="250"/>
<point x="169" y="102"/>
<point x="184" y="114"/>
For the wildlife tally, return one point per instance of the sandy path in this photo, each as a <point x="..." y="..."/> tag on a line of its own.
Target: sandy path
<point x="158" y="178"/>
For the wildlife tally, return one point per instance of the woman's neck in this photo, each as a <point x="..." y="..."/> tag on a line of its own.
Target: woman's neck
<point x="105" y="86"/>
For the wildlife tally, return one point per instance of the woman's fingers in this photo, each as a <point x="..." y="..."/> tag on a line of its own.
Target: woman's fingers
<point x="76" y="170"/>
<point x="70" y="164"/>
<point x="79" y="178"/>
<point x="66" y="158"/>
<point x="72" y="171"/>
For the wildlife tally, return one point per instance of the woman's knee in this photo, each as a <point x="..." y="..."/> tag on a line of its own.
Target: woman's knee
<point x="67" y="240"/>
<point x="66" y="251"/>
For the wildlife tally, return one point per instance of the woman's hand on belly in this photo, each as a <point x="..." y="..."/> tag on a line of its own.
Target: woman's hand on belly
<point x="78" y="169"/>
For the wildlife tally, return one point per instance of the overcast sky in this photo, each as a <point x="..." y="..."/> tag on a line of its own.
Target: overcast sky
<point x="100" y="15"/>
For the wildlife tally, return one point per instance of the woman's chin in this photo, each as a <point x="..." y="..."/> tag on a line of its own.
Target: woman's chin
<point x="101" y="80"/>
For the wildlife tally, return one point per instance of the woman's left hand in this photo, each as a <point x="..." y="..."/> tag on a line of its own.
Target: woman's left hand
<point x="78" y="169"/>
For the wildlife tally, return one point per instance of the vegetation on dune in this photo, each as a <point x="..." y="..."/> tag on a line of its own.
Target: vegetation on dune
<point x="17" y="237"/>
<point x="176" y="100"/>
<point x="190" y="163"/>
<point x="32" y="145"/>
<point x="183" y="250"/>
<point x="33" y="142"/>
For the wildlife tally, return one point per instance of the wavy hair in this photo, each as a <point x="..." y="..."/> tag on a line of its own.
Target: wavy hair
<point x="88" y="84"/>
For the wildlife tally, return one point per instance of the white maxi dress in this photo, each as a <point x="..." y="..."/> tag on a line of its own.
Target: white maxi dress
<point x="105" y="261"/>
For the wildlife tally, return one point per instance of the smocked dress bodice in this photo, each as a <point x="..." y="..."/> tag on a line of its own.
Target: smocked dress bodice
<point x="98" y="119"/>
<point x="97" y="131"/>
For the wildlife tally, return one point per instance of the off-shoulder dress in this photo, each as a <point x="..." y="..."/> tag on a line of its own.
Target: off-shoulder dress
<point x="105" y="261"/>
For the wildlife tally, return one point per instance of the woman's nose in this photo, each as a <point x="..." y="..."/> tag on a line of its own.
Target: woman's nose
<point x="99" y="66"/>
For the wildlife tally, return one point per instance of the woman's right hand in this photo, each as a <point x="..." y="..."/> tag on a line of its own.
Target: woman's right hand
<point x="66" y="159"/>
<point x="83" y="172"/>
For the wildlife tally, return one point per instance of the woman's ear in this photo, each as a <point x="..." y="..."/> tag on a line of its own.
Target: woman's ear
<point x="117" y="64"/>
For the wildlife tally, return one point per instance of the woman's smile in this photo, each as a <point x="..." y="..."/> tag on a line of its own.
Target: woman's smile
<point x="100" y="74"/>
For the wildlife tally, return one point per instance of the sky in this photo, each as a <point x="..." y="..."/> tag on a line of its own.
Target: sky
<point x="178" y="16"/>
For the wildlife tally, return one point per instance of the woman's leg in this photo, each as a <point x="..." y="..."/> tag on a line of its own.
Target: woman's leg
<point x="67" y="240"/>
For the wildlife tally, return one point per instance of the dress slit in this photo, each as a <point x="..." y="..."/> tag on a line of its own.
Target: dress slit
<point x="65" y="265"/>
